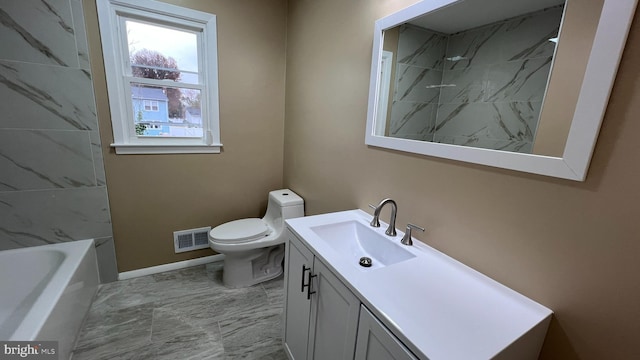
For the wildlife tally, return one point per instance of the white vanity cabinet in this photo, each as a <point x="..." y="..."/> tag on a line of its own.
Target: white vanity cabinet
<point x="375" y="342"/>
<point x="298" y="263"/>
<point x="321" y="314"/>
<point x="412" y="302"/>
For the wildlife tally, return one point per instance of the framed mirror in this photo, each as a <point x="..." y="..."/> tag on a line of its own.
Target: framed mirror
<point x="515" y="84"/>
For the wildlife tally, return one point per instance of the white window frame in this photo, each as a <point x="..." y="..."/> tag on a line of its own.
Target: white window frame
<point x="151" y="105"/>
<point x="112" y="15"/>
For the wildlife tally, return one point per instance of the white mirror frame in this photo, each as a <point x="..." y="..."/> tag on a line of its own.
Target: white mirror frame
<point x="608" y="45"/>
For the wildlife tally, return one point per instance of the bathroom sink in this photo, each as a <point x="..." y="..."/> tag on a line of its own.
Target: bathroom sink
<point x="436" y="306"/>
<point x="355" y="240"/>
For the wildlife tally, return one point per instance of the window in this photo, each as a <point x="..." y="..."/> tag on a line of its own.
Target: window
<point x="162" y="77"/>
<point x="150" y="105"/>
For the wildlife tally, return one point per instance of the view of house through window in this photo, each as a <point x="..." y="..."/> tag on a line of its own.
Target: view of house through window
<point x="151" y="105"/>
<point x="166" y="84"/>
<point x="161" y="62"/>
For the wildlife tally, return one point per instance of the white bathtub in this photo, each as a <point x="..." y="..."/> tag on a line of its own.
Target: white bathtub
<point x="46" y="292"/>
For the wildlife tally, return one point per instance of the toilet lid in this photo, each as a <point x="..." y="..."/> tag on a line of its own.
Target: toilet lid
<point x="239" y="231"/>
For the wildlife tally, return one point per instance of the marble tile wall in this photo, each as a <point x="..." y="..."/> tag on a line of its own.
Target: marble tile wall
<point x="500" y="72"/>
<point x="52" y="182"/>
<point x="493" y="82"/>
<point x="416" y="92"/>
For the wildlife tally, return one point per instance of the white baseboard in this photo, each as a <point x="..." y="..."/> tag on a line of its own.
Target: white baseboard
<point x="168" y="267"/>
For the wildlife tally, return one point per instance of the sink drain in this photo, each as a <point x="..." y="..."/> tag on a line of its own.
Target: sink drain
<point x="365" y="261"/>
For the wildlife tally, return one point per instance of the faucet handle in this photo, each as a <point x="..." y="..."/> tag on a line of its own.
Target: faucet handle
<point x="406" y="239"/>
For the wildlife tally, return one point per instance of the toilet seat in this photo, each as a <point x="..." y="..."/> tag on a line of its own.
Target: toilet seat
<point x="240" y="231"/>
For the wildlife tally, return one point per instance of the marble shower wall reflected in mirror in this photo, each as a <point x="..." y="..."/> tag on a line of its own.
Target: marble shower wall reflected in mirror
<point x="480" y="87"/>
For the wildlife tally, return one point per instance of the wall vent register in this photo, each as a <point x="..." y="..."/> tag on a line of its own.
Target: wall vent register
<point x="192" y="239"/>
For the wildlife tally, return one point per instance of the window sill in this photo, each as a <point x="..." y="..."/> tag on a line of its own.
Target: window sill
<point x="132" y="149"/>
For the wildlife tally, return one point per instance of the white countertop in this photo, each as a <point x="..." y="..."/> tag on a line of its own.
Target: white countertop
<point x="438" y="307"/>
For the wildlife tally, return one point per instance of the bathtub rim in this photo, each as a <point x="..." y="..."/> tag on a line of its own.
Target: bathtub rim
<point x="42" y="308"/>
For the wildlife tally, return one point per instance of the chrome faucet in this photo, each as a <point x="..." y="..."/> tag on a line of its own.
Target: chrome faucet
<point x="375" y="222"/>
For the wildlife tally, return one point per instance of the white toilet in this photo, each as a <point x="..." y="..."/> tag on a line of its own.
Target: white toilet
<point x="254" y="248"/>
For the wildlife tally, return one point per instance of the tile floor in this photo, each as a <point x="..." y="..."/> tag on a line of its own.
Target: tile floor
<point x="183" y="314"/>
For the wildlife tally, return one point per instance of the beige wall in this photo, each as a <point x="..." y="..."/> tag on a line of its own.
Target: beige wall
<point x="571" y="246"/>
<point x="579" y="27"/>
<point x="153" y="195"/>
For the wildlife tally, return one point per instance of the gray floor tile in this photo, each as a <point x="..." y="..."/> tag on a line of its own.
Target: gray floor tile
<point x="183" y="314"/>
<point x="252" y="336"/>
<point x="275" y="290"/>
<point x="125" y="328"/>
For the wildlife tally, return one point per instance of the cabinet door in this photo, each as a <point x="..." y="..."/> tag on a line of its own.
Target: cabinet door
<point x="375" y="342"/>
<point x="297" y="307"/>
<point x="334" y="317"/>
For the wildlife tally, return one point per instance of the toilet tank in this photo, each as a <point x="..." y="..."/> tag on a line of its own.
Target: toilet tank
<point x="283" y="204"/>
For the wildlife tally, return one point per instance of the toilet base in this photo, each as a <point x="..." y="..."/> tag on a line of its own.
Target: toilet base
<point x="250" y="267"/>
